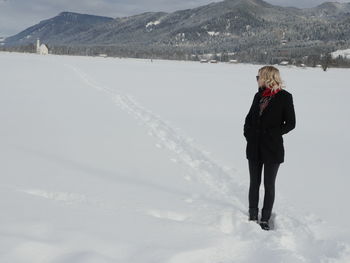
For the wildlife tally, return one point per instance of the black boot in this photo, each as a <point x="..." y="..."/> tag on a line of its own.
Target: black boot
<point x="264" y="221"/>
<point x="253" y="214"/>
<point x="265" y="215"/>
<point x="264" y="225"/>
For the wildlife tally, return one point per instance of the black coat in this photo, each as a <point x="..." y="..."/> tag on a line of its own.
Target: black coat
<point x="264" y="133"/>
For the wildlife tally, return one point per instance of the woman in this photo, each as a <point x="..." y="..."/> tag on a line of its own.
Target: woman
<point x="271" y="115"/>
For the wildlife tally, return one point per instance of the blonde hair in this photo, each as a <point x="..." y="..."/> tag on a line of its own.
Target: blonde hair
<point x="271" y="77"/>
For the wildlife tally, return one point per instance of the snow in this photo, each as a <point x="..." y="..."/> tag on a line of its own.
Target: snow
<point x="152" y="23"/>
<point x="127" y="160"/>
<point x="213" y="33"/>
<point x="345" y="53"/>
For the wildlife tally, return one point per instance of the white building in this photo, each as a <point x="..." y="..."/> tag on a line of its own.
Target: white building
<point x="233" y="61"/>
<point x="41" y="49"/>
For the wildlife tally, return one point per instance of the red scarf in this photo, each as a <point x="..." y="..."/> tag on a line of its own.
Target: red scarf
<point x="268" y="92"/>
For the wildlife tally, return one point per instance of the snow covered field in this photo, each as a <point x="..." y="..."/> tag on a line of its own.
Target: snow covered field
<point x="127" y="160"/>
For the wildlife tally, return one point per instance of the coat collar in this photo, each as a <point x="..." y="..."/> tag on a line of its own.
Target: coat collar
<point x="261" y="89"/>
<point x="271" y="102"/>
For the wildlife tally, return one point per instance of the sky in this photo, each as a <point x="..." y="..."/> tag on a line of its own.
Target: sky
<point x="17" y="15"/>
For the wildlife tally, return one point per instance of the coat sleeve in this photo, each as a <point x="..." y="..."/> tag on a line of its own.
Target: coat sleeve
<point x="248" y="118"/>
<point x="288" y="116"/>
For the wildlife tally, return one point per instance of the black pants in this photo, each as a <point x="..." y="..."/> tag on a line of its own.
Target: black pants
<point x="270" y="172"/>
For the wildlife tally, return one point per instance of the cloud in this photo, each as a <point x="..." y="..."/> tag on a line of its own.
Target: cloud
<point x="17" y="15"/>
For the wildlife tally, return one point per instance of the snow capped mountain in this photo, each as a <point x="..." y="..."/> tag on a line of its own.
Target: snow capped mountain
<point x="234" y="24"/>
<point x="331" y="9"/>
<point x="63" y="26"/>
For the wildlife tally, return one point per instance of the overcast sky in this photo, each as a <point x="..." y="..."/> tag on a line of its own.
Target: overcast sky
<point x="17" y="15"/>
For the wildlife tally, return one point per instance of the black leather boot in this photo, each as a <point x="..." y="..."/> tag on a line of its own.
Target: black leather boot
<point x="264" y="225"/>
<point x="264" y="221"/>
<point x="253" y="214"/>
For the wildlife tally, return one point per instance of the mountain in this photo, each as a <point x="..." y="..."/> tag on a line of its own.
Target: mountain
<point x="63" y="26"/>
<point x="330" y="9"/>
<point x="238" y="25"/>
